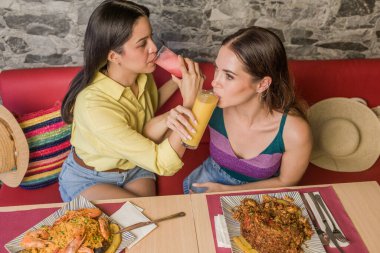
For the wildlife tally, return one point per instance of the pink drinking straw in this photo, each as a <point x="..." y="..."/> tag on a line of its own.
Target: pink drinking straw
<point x="168" y="60"/>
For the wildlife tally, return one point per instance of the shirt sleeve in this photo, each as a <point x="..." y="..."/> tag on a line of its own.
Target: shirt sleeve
<point x="117" y="139"/>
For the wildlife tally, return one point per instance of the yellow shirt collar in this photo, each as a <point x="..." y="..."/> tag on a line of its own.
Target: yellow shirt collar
<point x="113" y="88"/>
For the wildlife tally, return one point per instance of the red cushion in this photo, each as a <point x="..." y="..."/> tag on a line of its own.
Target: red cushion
<point x="318" y="80"/>
<point x="28" y="90"/>
<point x="316" y="175"/>
<point x="18" y="196"/>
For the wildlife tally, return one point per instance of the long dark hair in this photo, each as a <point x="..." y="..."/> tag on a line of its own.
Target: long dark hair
<point x="109" y="27"/>
<point x="263" y="54"/>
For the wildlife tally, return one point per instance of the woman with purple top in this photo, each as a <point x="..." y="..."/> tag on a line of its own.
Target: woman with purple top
<point x="259" y="135"/>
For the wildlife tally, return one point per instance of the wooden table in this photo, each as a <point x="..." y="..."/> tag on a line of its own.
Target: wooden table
<point x="193" y="233"/>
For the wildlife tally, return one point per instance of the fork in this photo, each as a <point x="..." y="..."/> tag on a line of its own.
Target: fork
<point x="336" y="232"/>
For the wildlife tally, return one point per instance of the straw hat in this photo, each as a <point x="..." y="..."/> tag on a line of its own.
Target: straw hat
<point x="346" y="135"/>
<point x="14" y="150"/>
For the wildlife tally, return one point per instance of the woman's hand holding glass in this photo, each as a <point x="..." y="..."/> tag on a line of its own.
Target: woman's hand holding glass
<point x="178" y="121"/>
<point x="191" y="82"/>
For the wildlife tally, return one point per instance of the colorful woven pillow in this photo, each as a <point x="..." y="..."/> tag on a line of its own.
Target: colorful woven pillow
<point x="49" y="145"/>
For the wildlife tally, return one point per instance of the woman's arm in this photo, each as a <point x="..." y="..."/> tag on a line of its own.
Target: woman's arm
<point x="166" y="91"/>
<point x="158" y="128"/>
<point x="298" y="143"/>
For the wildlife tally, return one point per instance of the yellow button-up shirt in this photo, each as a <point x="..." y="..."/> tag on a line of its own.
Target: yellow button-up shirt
<point x="108" y="124"/>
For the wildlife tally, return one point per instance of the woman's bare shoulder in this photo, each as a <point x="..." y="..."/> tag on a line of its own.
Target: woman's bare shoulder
<point x="296" y="131"/>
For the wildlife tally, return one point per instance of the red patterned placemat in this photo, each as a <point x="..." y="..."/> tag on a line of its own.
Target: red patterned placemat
<point x="331" y="200"/>
<point x="14" y="223"/>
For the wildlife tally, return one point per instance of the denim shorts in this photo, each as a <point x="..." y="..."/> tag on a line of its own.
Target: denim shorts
<point x="74" y="178"/>
<point x="209" y="171"/>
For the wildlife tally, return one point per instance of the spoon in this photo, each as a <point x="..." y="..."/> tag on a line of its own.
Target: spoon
<point x="141" y="224"/>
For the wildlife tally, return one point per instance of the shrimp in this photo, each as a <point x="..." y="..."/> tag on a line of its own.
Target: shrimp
<point x="104" y="227"/>
<point x="36" y="239"/>
<point x="74" y="244"/>
<point x="84" y="249"/>
<point x="91" y="212"/>
<point x="87" y="212"/>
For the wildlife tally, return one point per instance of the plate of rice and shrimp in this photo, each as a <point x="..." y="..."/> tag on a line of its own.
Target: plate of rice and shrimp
<point x="79" y="226"/>
<point x="269" y="223"/>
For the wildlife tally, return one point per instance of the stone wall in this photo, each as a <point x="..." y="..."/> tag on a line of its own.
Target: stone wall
<point x="38" y="33"/>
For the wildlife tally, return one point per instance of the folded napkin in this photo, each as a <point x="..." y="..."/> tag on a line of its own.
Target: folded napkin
<point x="130" y="214"/>
<point x="222" y="237"/>
<point x="320" y="222"/>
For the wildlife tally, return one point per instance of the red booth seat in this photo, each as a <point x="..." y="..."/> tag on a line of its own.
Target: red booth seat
<point x="29" y="90"/>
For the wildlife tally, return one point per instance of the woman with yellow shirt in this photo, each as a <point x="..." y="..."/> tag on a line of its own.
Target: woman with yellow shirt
<point x="118" y="144"/>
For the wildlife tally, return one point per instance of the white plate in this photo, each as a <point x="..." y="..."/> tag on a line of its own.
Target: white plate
<point x="313" y="245"/>
<point x="77" y="203"/>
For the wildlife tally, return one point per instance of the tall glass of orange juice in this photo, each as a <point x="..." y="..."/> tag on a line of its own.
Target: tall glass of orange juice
<point x="203" y="107"/>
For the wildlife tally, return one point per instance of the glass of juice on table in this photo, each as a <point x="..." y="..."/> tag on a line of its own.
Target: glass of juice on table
<point x="168" y="60"/>
<point x="203" y="107"/>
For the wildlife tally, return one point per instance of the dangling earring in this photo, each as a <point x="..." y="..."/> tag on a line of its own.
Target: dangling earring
<point x="264" y="94"/>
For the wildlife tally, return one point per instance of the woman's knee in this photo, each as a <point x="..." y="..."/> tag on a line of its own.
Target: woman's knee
<point x="142" y="187"/>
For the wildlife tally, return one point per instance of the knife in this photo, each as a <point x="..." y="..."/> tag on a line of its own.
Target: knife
<point x="321" y="234"/>
<point x="145" y="223"/>
<point x="328" y="229"/>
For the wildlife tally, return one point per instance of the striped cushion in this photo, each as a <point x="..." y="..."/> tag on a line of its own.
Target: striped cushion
<point x="49" y="144"/>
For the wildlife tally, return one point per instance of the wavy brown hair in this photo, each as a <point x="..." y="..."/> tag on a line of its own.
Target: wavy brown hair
<point x="263" y="54"/>
<point x="109" y="27"/>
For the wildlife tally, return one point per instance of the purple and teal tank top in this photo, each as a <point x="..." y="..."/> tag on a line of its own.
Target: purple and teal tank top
<point x="265" y="165"/>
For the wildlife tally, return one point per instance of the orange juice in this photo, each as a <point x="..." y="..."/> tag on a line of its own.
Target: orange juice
<point x="203" y="107"/>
